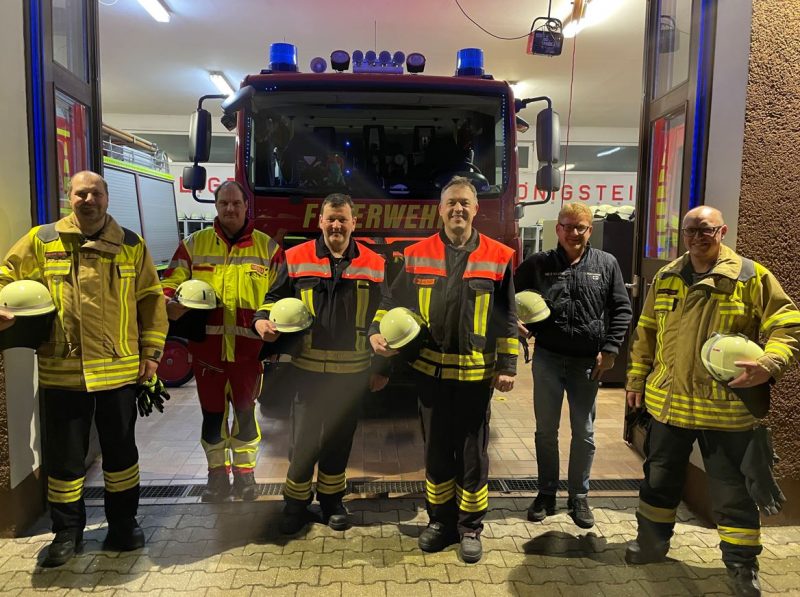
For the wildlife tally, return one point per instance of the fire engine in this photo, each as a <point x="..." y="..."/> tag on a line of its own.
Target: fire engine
<point x="381" y="132"/>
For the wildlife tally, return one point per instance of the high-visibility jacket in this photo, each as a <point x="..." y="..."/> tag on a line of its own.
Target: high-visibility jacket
<point x="342" y="298"/>
<point x="108" y="299"/>
<point x="738" y="296"/>
<point x="240" y="273"/>
<point x="472" y="327"/>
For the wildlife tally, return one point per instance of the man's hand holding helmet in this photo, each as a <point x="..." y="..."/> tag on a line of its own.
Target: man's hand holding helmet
<point x="267" y="330"/>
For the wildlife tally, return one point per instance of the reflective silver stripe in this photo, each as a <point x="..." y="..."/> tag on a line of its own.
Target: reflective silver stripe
<point x="486" y="266"/>
<point x="175" y="263"/>
<point x="373" y="274"/>
<point x="322" y="269"/>
<point x="241" y="259"/>
<point x="415" y="261"/>
<point x="208" y="259"/>
<point x="231" y="330"/>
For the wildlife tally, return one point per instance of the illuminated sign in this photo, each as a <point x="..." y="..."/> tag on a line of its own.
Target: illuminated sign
<point x="386" y="216"/>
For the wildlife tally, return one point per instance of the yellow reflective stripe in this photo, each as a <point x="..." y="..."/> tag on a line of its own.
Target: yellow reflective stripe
<point x="468" y="501"/>
<point x="476" y="359"/>
<point x="647" y="322"/>
<point x="362" y="303"/>
<point x="656" y="514"/>
<point x="157" y="289"/>
<point x="121" y="480"/>
<point x="508" y="345"/>
<point x="455" y="374"/>
<point x="739" y="536"/>
<point x="331" y="484"/>
<point x="245" y="453"/>
<point x="379" y="315"/>
<point x="99" y="363"/>
<point x="64" y="492"/>
<point x="782" y="318"/>
<point x="153" y="336"/>
<point x="329" y="367"/>
<point x="778" y="347"/>
<point x="216" y="454"/>
<point x="125" y="286"/>
<point x="424" y="298"/>
<point x="440" y="493"/>
<point x="638" y="368"/>
<point x="307" y="296"/>
<point x="266" y="307"/>
<point x="298" y="491"/>
<point x="481" y="317"/>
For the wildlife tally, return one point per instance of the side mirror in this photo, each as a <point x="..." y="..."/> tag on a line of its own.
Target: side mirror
<point x="548" y="178"/>
<point x="548" y="136"/>
<point x="200" y="136"/>
<point x="522" y="125"/>
<point x="194" y="178"/>
<point x="519" y="211"/>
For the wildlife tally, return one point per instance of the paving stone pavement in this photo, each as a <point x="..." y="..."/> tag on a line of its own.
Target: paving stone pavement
<point x="235" y="549"/>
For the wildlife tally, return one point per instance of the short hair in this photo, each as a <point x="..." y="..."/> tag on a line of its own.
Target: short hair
<point x="460" y="181"/>
<point x="68" y="186"/>
<point x="578" y="210"/>
<point x="227" y="184"/>
<point x="337" y="200"/>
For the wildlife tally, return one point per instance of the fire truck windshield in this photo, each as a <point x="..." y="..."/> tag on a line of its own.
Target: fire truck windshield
<point x="375" y="145"/>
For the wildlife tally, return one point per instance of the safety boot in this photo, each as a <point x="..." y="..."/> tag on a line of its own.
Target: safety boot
<point x="635" y="554"/>
<point x="295" y="518"/>
<point x="436" y="537"/>
<point x="543" y="506"/>
<point x="218" y="488"/>
<point x="336" y="516"/>
<point x="65" y="545"/>
<point x="244" y="486"/>
<point x="471" y="548"/>
<point x="745" y="580"/>
<point x="124" y="536"/>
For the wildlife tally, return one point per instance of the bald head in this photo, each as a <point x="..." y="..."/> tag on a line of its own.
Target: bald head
<point x="703" y="214"/>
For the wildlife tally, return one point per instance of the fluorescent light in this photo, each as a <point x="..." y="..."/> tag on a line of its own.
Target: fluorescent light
<point x="572" y="28"/>
<point x="609" y="151"/>
<point x="221" y="82"/>
<point x="156" y="9"/>
<point x="565" y="167"/>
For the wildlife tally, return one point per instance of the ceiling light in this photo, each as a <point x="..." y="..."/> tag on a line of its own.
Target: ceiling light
<point x="220" y="80"/>
<point x="566" y="167"/>
<point x="156" y="9"/>
<point x="585" y="13"/>
<point x="609" y="151"/>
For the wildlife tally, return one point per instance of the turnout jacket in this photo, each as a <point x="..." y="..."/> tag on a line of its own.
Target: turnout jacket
<point x="240" y="272"/>
<point x="589" y="306"/>
<point x="465" y="298"/>
<point x="737" y="296"/>
<point x="109" y="304"/>
<point x="342" y="295"/>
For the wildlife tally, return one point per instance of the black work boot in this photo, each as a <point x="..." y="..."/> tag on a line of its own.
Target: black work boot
<point x="744" y="579"/>
<point x="295" y="518"/>
<point x="471" y="548"/>
<point x="336" y="516"/>
<point x="543" y="506"/>
<point x="218" y="488"/>
<point x="124" y="536"/>
<point x="636" y="554"/>
<point x="64" y="546"/>
<point x="244" y="486"/>
<point x="579" y="512"/>
<point x="436" y="537"/>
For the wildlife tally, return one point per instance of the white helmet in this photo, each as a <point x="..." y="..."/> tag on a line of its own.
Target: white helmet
<point x="721" y="351"/>
<point x="196" y="294"/>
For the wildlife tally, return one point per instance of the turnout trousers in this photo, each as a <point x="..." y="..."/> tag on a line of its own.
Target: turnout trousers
<point x="221" y="387"/>
<point x="325" y="415"/>
<point x="455" y="427"/>
<point x="667" y="450"/>
<point x="68" y="420"/>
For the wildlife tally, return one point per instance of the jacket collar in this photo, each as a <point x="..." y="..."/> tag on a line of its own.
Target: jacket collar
<point x="244" y="236"/>
<point x="562" y="254"/>
<point x="722" y="276"/>
<point x="108" y="240"/>
<point x="322" y="250"/>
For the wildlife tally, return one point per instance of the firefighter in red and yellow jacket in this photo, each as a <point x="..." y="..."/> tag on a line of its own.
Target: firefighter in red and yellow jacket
<point x="460" y="284"/>
<point x="341" y="282"/>
<point x="107" y="336"/>
<point x="240" y="264"/>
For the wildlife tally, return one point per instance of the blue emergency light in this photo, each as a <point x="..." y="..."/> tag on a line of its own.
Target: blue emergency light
<point x="469" y="62"/>
<point x="283" y="57"/>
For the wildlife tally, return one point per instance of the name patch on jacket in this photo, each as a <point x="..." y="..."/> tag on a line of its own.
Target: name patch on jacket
<point x="258" y="268"/>
<point x="423" y="281"/>
<point x="56" y="255"/>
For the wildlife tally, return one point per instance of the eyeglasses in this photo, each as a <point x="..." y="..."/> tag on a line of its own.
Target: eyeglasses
<point x="707" y="232"/>
<point x="580" y="228"/>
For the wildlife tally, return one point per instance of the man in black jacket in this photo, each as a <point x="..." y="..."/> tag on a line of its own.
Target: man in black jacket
<point x="590" y="313"/>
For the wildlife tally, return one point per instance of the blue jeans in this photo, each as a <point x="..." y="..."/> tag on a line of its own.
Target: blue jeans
<point x="552" y="375"/>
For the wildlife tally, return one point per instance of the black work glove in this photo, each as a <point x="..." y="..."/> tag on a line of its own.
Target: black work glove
<point x="757" y="464"/>
<point x="150" y="395"/>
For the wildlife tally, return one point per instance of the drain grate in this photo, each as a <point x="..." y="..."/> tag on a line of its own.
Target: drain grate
<point x="368" y="488"/>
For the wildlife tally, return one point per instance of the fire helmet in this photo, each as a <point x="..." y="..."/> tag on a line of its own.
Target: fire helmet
<point x="399" y="326"/>
<point x="720" y="352"/>
<point x="531" y="307"/>
<point x="26" y="298"/>
<point x="290" y="315"/>
<point x="196" y="294"/>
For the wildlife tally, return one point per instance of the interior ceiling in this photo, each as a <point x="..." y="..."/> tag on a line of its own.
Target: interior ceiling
<point x="154" y="68"/>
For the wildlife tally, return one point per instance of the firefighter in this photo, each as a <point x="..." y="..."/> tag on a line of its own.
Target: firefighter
<point x="709" y="289"/>
<point x="459" y="282"/>
<point x="341" y="282"/>
<point x="108" y="335"/>
<point x="240" y="264"/>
